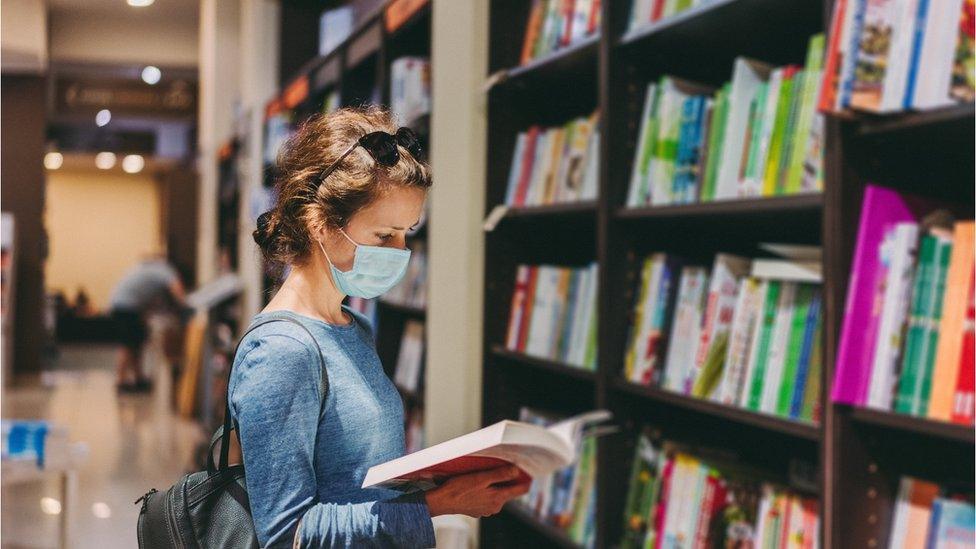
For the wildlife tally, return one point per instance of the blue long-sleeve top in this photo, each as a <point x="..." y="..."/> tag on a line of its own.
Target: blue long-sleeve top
<point x="306" y="462"/>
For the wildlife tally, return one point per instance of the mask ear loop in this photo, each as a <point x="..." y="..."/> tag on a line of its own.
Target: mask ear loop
<point x="321" y="247"/>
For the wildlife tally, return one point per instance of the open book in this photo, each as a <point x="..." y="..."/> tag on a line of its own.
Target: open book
<point x="536" y="450"/>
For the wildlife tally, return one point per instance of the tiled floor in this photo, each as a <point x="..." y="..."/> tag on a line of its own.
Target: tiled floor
<point x="135" y="442"/>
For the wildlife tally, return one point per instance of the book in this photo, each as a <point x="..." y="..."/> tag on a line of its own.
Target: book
<point x="883" y="54"/>
<point x="410" y="88"/>
<point x="912" y="513"/>
<point x="964" y="398"/>
<point x="953" y="524"/>
<point x="935" y="59"/>
<point x="408" y="373"/>
<point x="556" y="24"/>
<point x="537" y="451"/>
<point x="685" y="329"/>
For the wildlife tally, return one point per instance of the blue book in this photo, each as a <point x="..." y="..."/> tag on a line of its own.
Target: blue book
<point x="803" y="366"/>
<point x="920" y="16"/>
<point x="850" y="62"/>
<point x="953" y="524"/>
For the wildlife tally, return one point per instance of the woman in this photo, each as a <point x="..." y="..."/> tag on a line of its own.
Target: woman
<point x="350" y="186"/>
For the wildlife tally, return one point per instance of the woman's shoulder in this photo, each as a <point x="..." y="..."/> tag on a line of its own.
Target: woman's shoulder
<point x="278" y="341"/>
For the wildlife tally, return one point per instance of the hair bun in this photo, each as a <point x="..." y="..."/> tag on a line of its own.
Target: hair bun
<point x="264" y="232"/>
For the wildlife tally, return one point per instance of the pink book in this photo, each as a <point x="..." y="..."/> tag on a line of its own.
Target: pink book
<point x="881" y="209"/>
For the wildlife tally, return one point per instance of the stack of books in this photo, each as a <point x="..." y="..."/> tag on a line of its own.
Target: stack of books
<point x="555" y="24"/>
<point x="409" y="372"/>
<point x="332" y="101"/>
<point x="645" y="12"/>
<point x="410" y="88"/>
<point x="553" y="314"/>
<point x="412" y="290"/>
<point x="746" y="334"/>
<point x="677" y="499"/>
<point x="888" y="56"/>
<point x="551" y="165"/>
<point x="566" y="498"/>
<point x="907" y="338"/>
<point x="927" y="515"/>
<point x="758" y="135"/>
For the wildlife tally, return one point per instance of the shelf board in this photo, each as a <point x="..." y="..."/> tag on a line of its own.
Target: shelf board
<point x="808" y="202"/>
<point x="737" y="415"/>
<point x="543" y="364"/>
<point x="518" y="512"/>
<point x="569" y="59"/>
<point x="872" y="125"/>
<point x="422" y="13"/>
<point x="678" y="19"/>
<point x="911" y="424"/>
<point x="585" y="207"/>
<point x="407" y="310"/>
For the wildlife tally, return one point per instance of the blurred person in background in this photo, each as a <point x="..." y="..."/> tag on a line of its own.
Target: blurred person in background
<point x="150" y="285"/>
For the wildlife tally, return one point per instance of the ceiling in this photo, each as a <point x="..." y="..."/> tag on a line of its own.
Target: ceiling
<point x="186" y="10"/>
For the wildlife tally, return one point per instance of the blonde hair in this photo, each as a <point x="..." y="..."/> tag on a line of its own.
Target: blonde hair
<point x="305" y="203"/>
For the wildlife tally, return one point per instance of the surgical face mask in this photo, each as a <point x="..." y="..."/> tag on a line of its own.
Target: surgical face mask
<point x="375" y="269"/>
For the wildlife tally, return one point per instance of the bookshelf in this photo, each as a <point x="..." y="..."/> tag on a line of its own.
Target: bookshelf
<point x="359" y="71"/>
<point x="858" y="455"/>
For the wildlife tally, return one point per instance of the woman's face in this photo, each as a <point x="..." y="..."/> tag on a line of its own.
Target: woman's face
<point x="384" y="223"/>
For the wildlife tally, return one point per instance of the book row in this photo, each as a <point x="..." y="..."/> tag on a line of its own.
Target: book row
<point x="553" y="314"/>
<point x="410" y="88"/>
<point x="907" y="338"/>
<point x="679" y="499"/>
<point x="930" y="516"/>
<point x="555" y="24"/>
<point x="893" y="55"/>
<point x="558" y="164"/>
<point x="746" y="334"/>
<point x="758" y="135"/>
<point x="409" y="372"/>
<point x="645" y="12"/>
<point x="412" y="290"/>
<point x="566" y="498"/>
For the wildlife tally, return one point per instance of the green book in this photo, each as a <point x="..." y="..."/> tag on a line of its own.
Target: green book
<point x="911" y="357"/>
<point x="811" y="84"/>
<point x="716" y="141"/>
<point x="589" y="359"/>
<point x="638" y="506"/>
<point x="801" y="309"/>
<point x="768" y="172"/>
<point x="711" y="371"/>
<point x="811" y="395"/>
<point x="584" y="490"/>
<point x="942" y="254"/>
<point x="762" y="352"/>
<point x="756" y="112"/>
<point x="786" y="148"/>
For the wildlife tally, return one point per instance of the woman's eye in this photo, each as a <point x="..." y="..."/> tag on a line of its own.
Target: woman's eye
<point x="384" y="237"/>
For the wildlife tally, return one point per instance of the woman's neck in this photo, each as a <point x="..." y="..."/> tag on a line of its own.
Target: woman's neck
<point x="309" y="290"/>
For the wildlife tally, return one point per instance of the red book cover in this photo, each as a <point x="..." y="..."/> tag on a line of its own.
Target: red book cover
<point x="828" y="90"/>
<point x="657" y="10"/>
<point x="528" y="159"/>
<point x="531" y="31"/>
<point x="594" y="22"/>
<point x="964" y="402"/>
<point x="568" y="8"/>
<point x="712" y="501"/>
<point x="661" y="510"/>
<point x="527" y="309"/>
<point x="785" y="509"/>
<point x="515" y="317"/>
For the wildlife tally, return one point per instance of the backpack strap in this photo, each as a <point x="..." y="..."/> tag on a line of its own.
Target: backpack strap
<point x="223" y="432"/>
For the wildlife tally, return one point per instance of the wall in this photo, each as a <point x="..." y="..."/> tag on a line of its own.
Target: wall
<point x="23" y="36"/>
<point x="100" y="224"/>
<point x="22" y="193"/>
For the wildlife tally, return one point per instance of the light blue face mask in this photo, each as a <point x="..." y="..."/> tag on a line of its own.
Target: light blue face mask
<point x="375" y="270"/>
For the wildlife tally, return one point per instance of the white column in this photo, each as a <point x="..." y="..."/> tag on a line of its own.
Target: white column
<point x="459" y="63"/>
<point x="259" y="79"/>
<point x="219" y="91"/>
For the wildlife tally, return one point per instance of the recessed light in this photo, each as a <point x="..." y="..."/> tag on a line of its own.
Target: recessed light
<point x="133" y="163"/>
<point x="140" y="3"/>
<point x="151" y="75"/>
<point x="53" y="160"/>
<point x="105" y="160"/>
<point x="50" y="506"/>
<point x="101" y="510"/>
<point x="103" y="117"/>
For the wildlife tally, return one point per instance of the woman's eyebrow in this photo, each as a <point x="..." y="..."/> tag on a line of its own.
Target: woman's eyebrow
<point x="395" y="228"/>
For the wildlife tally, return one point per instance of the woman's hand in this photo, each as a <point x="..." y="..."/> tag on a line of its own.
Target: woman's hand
<point x="476" y="494"/>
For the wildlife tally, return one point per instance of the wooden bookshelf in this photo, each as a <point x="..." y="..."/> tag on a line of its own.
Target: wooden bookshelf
<point x="859" y="454"/>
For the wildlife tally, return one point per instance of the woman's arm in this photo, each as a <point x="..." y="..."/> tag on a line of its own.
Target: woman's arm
<point x="276" y="401"/>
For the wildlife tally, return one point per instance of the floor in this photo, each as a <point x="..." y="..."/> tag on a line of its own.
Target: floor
<point x="135" y="442"/>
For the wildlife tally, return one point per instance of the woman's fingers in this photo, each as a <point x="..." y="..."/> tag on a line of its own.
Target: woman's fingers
<point x="495" y="476"/>
<point x="512" y="491"/>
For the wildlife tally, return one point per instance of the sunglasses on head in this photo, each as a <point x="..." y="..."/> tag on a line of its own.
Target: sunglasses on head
<point x="382" y="147"/>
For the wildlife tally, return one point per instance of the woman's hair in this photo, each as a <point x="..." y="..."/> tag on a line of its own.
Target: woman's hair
<point x="305" y="203"/>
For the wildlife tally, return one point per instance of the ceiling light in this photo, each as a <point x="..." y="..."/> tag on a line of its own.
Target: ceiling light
<point x="103" y="117"/>
<point x="105" y="160"/>
<point x="151" y="75"/>
<point x="53" y="160"/>
<point x="50" y="506"/>
<point x="101" y="510"/>
<point x="133" y="163"/>
<point x="140" y="3"/>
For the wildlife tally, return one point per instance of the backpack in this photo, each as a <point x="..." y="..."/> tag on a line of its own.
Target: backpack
<point x="208" y="508"/>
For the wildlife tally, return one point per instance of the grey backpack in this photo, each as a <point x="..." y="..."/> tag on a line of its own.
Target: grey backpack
<point x="208" y="508"/>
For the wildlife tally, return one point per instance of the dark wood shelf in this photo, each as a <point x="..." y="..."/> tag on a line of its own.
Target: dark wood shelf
<point x="556" y="535"/>
<point x="406" y="310"/>
<point x="912" y="424"/>
<point x="411" y="398"/>
<point x="788" y="205"/>
<point x="576" y="61"/>
<point x="875" y="125"/>
<point x="545" y="364"/>
<point x="777" y="424"/>
<point x="585" y="207"/>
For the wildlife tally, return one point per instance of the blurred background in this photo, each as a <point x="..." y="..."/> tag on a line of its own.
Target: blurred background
<point x="742" y="226"/>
